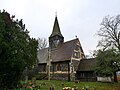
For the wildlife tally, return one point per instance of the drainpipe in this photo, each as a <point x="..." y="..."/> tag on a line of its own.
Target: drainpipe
<point x="68" y="72"/>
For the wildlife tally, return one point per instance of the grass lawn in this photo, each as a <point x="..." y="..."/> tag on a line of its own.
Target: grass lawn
<point x="59" y="85"/>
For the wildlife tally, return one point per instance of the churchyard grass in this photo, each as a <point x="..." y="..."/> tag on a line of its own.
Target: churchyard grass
<point x="59" y="85"/>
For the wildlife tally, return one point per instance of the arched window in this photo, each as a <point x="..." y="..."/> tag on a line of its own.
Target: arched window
<point x="58" y="67"/>
<point x="76" y="55"/>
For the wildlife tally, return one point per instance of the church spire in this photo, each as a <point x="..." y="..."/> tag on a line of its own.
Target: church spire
<point x="56" y="28"/>
<point x="56" y="37"/>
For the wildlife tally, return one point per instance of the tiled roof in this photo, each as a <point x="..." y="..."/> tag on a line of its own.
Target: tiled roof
<point x="87" y="64"/>
<point x="62" y="53"/>
<point x="43" y="55"/>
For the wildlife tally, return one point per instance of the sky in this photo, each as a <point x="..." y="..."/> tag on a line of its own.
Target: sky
<point x="79" y="18"/>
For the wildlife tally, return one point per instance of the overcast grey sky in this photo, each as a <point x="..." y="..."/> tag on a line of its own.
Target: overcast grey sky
<point x="75" y="17"/>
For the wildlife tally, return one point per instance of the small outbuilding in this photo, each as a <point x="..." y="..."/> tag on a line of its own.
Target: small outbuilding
<point x="85" y="70"/>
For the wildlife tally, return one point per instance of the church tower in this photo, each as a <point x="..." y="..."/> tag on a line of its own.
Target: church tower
<point x="56" y="37"/>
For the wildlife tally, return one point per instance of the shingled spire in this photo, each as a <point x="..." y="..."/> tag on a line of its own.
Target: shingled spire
<point x="56" y="37"/>
<point x="56" y="28"/>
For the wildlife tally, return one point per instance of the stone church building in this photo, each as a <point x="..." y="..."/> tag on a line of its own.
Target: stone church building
<point x="61" y="59"/>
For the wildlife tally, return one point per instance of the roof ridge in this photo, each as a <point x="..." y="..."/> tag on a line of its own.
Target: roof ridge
<point x="71" y="40"/>
<point x="88" y="59"/>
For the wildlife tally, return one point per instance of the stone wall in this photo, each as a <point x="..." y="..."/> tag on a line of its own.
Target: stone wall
<point x="59" y="66"/>
<point x="59" y="76"/>
<point x="60" y="71"/>
<point x="104" y="79"/>
<point x="75" y="64"/>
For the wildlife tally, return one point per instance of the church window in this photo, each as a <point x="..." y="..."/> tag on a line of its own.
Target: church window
<point x="58" y="67"/>
<point x="56" y="42"/>
<point x="77" y="55"/>
<point x="82" y="75"/>
<point x="44" y="68"/>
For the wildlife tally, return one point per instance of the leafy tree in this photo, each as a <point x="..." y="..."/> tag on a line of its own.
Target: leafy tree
<point x="110" y="32"/>
<point x="107" y="63"/>
<point x="17" y="50"/>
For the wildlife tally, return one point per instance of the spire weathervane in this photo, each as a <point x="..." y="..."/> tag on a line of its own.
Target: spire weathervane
<point x="56" y="13"/>
<point x="76" y="36"/>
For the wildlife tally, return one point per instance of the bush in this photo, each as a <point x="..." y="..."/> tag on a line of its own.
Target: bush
<point x="37" y="75"/>
<point x="41" y="76"/>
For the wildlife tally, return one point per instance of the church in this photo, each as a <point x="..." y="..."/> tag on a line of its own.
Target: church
<point x="61" y="59"/>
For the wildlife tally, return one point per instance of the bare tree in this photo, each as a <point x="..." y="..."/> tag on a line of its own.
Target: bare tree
<point x="110" y="32"/>
<point x="110" y="39"/>
<point x="42" y="43"/>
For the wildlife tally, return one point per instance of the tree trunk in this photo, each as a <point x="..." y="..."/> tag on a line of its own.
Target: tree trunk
<point x="115" y="77"/>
